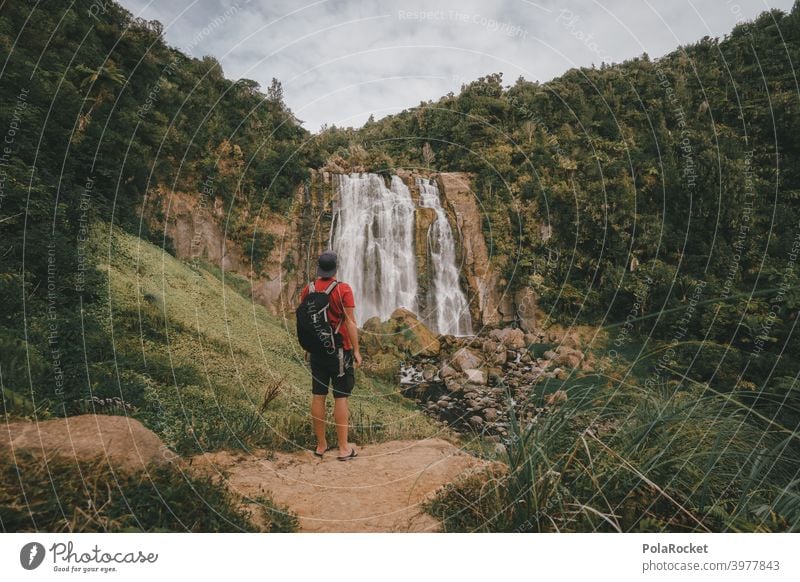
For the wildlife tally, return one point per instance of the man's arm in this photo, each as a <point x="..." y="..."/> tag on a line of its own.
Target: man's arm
<point x="352" y="332"/>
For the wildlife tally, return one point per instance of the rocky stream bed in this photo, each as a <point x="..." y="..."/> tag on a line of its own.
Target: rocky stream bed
<point x="475" y="383"/>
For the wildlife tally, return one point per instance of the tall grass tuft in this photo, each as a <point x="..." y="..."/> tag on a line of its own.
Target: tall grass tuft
<point x="673" y="459"/>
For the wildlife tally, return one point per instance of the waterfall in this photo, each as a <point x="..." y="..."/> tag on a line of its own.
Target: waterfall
<point x="447" y="311"/>
<point x="373" y="234"/>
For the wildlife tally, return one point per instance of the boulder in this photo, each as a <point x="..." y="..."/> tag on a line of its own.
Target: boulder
<point x="465" y="359"/>
<point x="509" y="337"/>
<point x="476" y="421"/>
<point x="447" y="372"/>
<point x="373" y="325"/>
<point x="498" y="358"/>
<point x="490" y="414"/>
<point x="453" y="384"/>
<point x="568" y="357"/>
<point x="420" y="341"/>
<point x="475" y="376"/>
<point x="489" y="347"/>
<point x="494" y="352"/>
<point x="386" y="344"/>
<point x="429" y="372"/>
<point x="121" y="442"/>
<point x="385" y="364"/>
<point x="471" y="390"/>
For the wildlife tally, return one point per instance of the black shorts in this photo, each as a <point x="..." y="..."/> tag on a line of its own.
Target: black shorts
<point x="325" y="370"/>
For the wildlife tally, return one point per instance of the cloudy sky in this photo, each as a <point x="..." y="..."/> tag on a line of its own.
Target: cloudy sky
<point x="342" y="60"/>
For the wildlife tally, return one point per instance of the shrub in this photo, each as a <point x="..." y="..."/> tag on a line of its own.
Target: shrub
<point x="64" y="496"/>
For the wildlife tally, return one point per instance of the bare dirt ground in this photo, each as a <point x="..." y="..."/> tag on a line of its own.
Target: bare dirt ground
<point x="379" y="491"/>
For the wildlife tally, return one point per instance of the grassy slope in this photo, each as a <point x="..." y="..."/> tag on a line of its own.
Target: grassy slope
<point x="206" y="355"/>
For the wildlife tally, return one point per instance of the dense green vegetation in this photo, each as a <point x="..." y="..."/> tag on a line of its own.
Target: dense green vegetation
<point x="64" y="496"/>
<point x="97" y="111"/>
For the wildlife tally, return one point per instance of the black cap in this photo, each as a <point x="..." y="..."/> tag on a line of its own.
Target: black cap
<point x="326" y="265"/>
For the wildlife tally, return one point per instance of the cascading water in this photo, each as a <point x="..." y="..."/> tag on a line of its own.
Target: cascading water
<point x="373" y="234"/>
<point x="447" y="310"/>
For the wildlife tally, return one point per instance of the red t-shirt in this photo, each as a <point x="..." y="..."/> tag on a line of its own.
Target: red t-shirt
<point x="341" y="297"/>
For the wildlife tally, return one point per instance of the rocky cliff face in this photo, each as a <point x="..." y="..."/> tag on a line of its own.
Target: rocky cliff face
<point x="491" y="302"/>
<point x="482" y="277"/>
<point x="200" y="228"/>
<point x="423" y="219"/>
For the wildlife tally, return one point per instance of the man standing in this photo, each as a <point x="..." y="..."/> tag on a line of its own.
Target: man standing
<point x="335" y="365"/>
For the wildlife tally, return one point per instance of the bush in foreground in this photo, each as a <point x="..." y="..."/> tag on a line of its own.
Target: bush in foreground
<point x="64" y="496"/>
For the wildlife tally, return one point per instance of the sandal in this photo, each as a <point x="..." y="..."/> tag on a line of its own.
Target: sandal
<point x="353" y="454"/>
<point x="320" y="455"/>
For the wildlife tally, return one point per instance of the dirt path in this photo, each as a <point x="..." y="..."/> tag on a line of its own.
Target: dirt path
<point x="380" y="491"/>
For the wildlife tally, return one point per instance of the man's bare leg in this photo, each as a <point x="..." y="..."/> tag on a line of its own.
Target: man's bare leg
<point x="318" y="419"/>
<point x="341" y="415"/>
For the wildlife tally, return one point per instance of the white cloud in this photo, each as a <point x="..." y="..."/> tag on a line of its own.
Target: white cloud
<point x="342" y="60"/>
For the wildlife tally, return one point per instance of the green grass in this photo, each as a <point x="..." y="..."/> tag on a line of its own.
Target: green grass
<point x="196" y="356"/>
<point x="673" y="459"/>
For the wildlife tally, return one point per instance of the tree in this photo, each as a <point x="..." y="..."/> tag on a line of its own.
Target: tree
<point x="100" y="85"/>
<point x="427" y="154"/>
<point x="275" y="92"/>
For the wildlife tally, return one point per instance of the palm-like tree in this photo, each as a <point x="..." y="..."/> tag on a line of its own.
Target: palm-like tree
<point x="100" y="85"/>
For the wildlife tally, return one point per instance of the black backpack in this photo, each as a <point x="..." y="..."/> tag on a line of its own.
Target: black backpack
<point x="313" y="328"/>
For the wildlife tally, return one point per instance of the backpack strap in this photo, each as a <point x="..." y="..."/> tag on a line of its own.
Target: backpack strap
<point x="328" y="291"/>
<point x="311" y="288"/>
